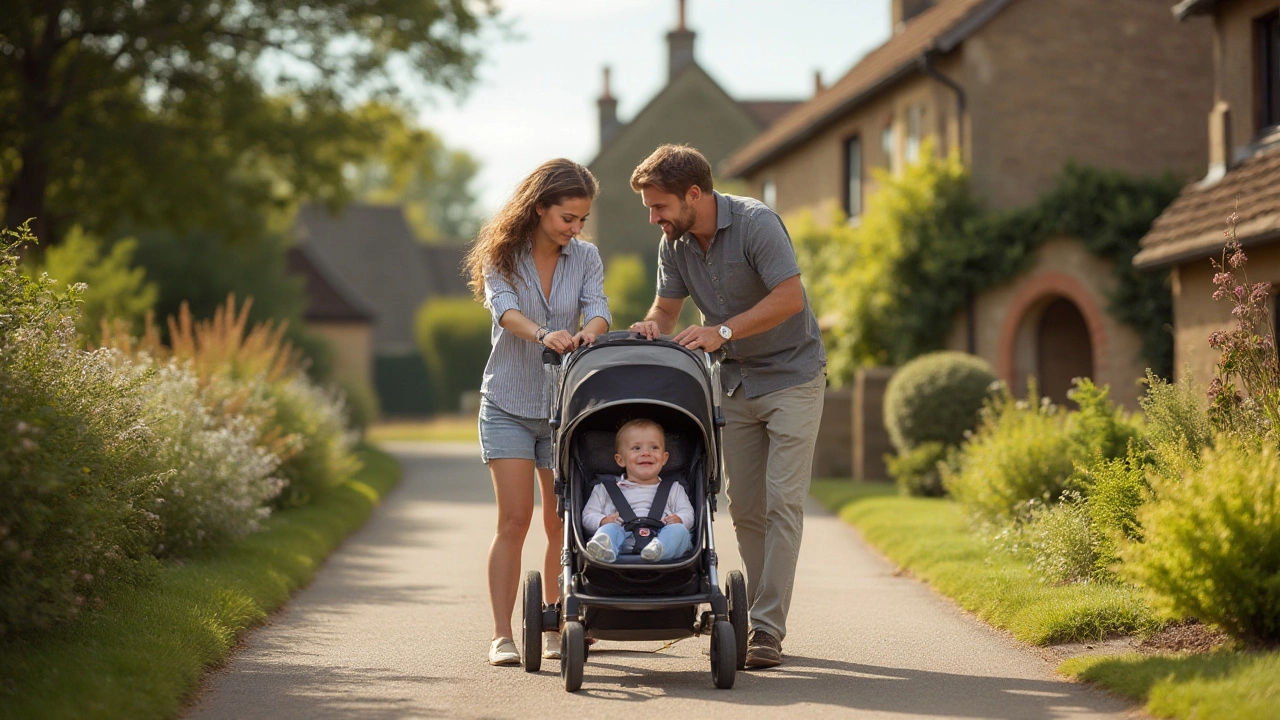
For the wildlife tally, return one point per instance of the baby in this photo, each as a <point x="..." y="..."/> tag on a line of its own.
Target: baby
<point x="640" y="448"/>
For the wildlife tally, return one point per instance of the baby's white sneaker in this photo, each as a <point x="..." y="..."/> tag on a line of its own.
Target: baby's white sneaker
<point x="652" y="551"/>
<point x="600" y="549"/>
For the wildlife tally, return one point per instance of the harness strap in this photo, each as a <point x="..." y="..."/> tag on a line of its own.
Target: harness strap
<point x="643" y="529"/>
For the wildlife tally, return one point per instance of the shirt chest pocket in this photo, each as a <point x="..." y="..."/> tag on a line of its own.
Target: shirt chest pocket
<point x="742" y="286"/>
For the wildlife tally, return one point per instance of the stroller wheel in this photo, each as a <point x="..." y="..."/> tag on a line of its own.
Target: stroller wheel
<point x="735" y="589"/>
<point x="724" y="655"/>
<point x="531" y="624"/>
<point x="573" y="654"/>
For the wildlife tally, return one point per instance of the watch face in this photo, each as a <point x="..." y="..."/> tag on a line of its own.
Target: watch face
<point x="725" y="332"/>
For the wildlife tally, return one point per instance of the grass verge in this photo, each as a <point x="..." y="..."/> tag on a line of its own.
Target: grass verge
<point x="1242" y="686"/>
<point x="145" y="651"/>
<point x="456" y="428"/>
<point x="932" y="539"/>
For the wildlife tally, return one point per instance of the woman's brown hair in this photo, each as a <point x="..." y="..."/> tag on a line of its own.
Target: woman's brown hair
<point x="500" y="239"/>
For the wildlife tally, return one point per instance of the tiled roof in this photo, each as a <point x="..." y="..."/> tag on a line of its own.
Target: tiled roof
<point x="767" y="112"/>
<point x="1192" y="226"/>
<point x="938" y="28"/>
<point x="325" y="302"/>
<point x="371" y="251"/>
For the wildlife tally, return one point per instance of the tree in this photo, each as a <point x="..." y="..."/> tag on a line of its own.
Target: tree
<point x="413" y="168"/>
<point x="177" y="114"/>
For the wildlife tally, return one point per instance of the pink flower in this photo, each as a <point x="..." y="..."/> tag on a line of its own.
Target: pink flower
<point x="1222" y="278"/>
<point x="1239" y="292"/>
<point x="1237" y="258"/>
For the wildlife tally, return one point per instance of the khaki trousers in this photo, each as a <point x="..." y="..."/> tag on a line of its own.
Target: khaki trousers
<point x="768" y="459"/>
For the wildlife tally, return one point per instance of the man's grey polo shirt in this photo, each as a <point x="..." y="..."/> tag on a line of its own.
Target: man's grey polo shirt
<point x="749" y="255"/>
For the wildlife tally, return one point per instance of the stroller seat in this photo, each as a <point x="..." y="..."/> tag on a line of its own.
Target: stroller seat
<point x="594" y="458"/>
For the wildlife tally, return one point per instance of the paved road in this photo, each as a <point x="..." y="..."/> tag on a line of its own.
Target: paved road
<point x="396" y="626"/>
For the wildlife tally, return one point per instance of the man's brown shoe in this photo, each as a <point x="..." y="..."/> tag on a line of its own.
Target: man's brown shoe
<point x="763" y="650"/>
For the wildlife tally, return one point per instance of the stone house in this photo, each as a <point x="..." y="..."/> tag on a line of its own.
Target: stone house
<point x="367" y="258"/>
<point x="1018" y="89"/>
<point x="1243" y="172"/>
<point x="691" y="109"/>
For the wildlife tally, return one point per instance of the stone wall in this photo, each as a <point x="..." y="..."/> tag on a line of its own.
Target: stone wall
<point x="870" y="438"/>
<point x="831" y="455"/>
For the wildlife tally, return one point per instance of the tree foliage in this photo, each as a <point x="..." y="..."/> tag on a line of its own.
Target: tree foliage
<point x="413" y="168"/>
<point x="180" y="114"/>
<point x="893" y="283"/>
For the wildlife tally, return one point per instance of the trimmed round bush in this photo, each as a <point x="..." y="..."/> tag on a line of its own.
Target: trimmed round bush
<point x="936" y="398"/>
<point x="916" y="471"/>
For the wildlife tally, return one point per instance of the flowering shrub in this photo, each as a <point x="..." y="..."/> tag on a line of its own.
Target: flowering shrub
<point x="221" y="480"/>
<point x="75" y="458"/>
<point x="1244" y="394"/>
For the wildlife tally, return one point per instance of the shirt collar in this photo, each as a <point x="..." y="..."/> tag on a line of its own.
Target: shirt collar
<point x="724" y="217"/>
<point x="528" y="246"/>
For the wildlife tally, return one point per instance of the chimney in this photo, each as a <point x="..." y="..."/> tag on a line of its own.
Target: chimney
<point x="679" y="47"/>
<point x="1220" y="151"/>
<point x="818" y="87"/>
<point x="608" y="105"/>
<point x="904" y="10"/>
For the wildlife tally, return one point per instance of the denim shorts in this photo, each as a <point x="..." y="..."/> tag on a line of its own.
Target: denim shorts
<point x="503" y="435"/>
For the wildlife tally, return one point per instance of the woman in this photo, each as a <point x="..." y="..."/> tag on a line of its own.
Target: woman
<point x="538" y="280"/>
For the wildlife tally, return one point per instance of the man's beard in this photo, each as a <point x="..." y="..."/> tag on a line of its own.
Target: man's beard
<point x="683" y="223"/>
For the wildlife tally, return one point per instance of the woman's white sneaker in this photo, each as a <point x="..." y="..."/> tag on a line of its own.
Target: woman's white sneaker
<point x="503" y="652"/>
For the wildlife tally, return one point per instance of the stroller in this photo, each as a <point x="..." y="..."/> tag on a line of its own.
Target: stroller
<point x="621" y="377"/>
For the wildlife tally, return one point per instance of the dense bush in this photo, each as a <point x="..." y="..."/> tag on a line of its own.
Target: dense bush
<point x="324" y="455"/>
<point x="1021" y="454"/>
<point x="454" y="337"/>
<point x="1212" y="542"/>
<point x="74" y="456"/>
<point x="112" y="457"/>
<point x="918" y="471"/>
<point x="116" y="290"/>
<point x="936" y="398"/>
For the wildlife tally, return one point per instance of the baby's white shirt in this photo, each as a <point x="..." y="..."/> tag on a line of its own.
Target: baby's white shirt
<point x="640" y="498"/>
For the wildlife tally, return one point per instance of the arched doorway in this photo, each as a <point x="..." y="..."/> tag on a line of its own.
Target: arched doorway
<point x="1063" y="348"/>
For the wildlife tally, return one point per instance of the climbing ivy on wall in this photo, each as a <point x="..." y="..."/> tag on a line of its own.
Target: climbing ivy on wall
<point x="890" y="285"/>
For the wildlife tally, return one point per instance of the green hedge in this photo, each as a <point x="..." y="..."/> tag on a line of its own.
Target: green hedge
<point x="454" y="337"/>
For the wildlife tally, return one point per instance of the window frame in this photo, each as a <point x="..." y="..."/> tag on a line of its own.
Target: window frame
<point x="1266" y="53"/>
<point x="848" y="180"/>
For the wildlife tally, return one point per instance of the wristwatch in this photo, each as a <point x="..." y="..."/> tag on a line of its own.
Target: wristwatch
<point x="725" y="332"/>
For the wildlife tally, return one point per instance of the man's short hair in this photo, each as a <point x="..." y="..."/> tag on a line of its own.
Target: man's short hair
<point x="637" y="423"/>
<point x="673" y="169"/>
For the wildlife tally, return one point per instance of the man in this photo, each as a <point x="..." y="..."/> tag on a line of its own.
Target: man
<point x="733" y="256"/>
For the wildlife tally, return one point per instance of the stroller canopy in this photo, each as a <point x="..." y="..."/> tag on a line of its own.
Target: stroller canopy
<point x="624" y="369"/>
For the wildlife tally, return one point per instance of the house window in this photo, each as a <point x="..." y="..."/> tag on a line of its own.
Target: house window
<point x="886" y="145"/>
<point x="853" y="176"/>
<point x="1268" y="70"/>
<point x="769" y="193"/>
<point x="915" y="126"/>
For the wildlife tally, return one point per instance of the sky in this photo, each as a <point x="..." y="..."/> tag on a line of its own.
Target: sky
<point x="535" y="97"/>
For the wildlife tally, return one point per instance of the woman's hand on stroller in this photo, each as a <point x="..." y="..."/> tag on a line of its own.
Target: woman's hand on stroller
<point x="560" y="341"/>
<point x="584" y="337"/>
<point x="648" y="328"/>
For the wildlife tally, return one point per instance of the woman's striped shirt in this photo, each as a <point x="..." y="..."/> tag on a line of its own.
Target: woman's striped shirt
<point x="514" y="378"/>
